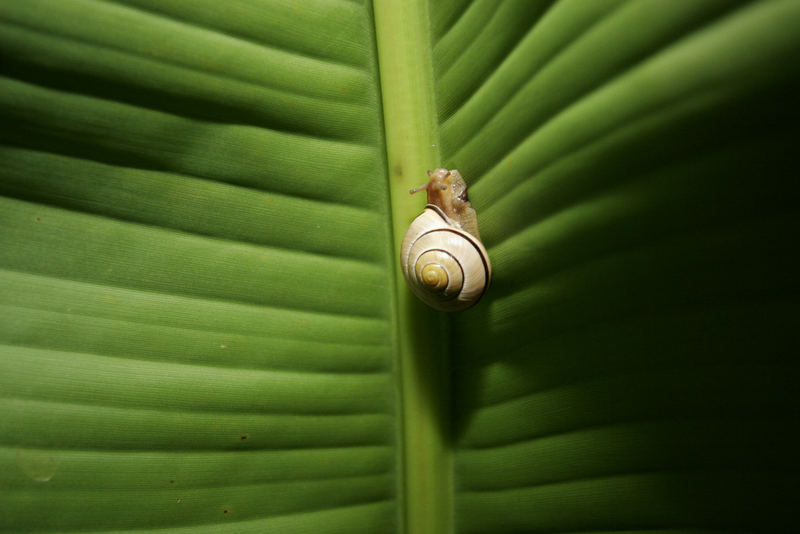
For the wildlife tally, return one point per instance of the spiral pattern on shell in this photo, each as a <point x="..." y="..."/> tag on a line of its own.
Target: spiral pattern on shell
<point x="445" y="266"/>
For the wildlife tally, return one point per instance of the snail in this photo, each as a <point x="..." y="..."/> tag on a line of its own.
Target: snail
<point x="442" y="257"/>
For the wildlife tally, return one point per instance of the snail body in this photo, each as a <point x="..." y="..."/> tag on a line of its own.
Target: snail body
<point x="442" y="257"/>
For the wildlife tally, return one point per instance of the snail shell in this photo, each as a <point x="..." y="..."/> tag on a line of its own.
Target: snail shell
<point x="442" y="257"/>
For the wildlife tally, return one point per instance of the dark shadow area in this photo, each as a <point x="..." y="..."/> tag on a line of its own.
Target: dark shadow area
<point x="635" y="364"/>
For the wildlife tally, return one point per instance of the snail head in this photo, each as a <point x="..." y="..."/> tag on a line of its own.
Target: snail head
<point x="437" y="187"/>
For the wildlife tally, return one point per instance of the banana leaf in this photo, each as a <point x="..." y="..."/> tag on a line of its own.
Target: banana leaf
<point x="204" y="324"/>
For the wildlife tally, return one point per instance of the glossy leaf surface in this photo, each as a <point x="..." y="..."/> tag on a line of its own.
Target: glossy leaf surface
<point x="203" y="329"/>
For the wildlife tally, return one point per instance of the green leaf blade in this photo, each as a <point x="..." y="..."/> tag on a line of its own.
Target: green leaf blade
<point x="630" y="366"/>
<point x="194" y="276"/>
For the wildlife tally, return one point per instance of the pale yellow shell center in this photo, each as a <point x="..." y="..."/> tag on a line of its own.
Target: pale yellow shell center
<point x="435" y="277"/>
